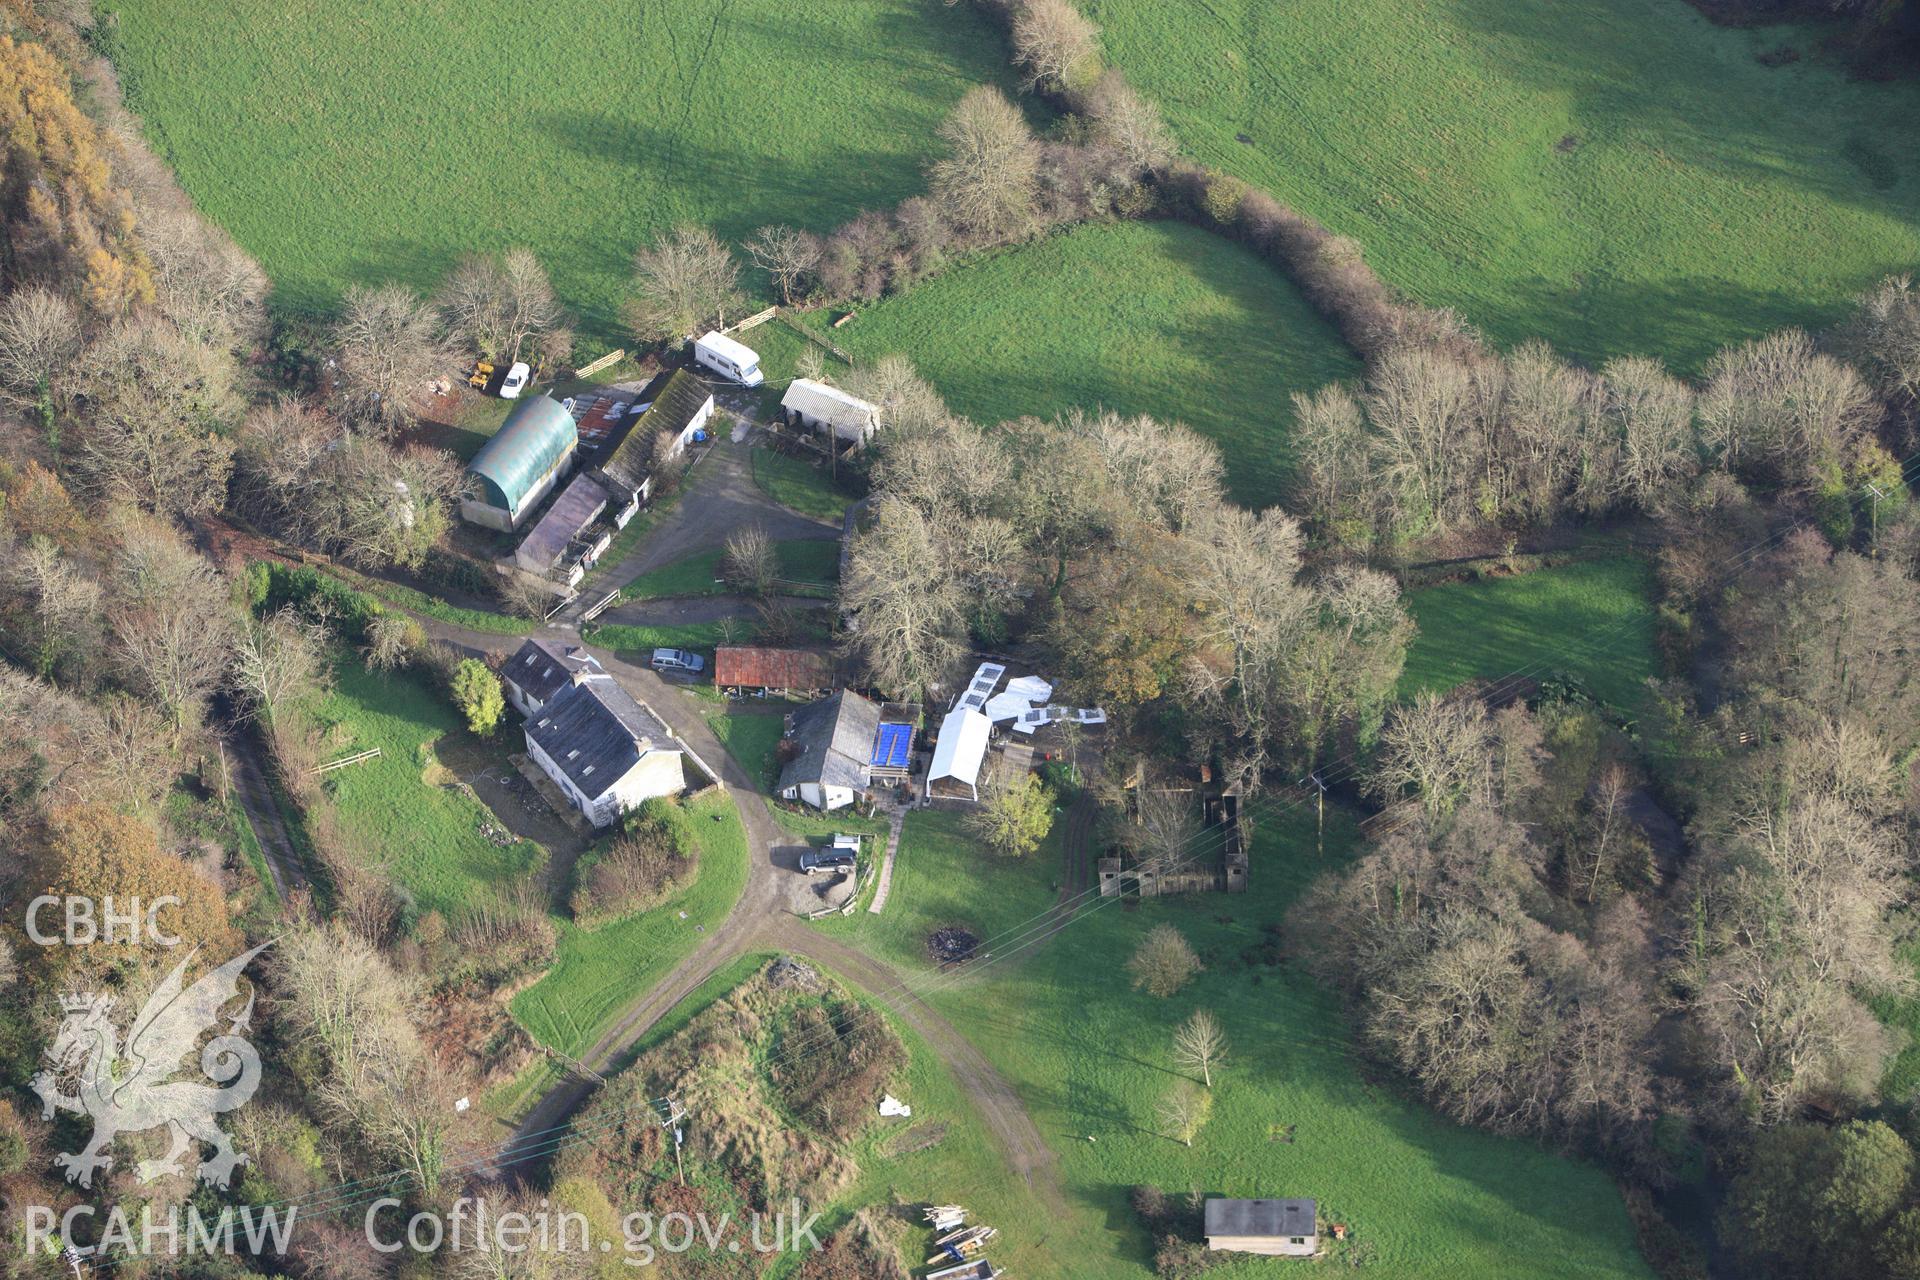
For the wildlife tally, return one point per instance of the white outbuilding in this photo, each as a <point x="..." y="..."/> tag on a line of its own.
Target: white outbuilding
<point x="826" y="408"/>
<point x="959" y="754"/>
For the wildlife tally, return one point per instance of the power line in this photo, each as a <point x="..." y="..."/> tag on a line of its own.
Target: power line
<point x="1011" y="941"/>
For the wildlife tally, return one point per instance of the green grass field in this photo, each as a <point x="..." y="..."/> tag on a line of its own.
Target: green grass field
<point x="1089" y="1055"/>
<point x="1591" y="620"/>
<point x="365" y="141"/>
<point x="600" y="972"/>
<point x="401" y="809"/>
<point x="808" y="567"/>
<point x="797" y="483"/>
<point x="751" y="736"/>
<point x="1154" y="318"/>
<point x="1612" y="175"/>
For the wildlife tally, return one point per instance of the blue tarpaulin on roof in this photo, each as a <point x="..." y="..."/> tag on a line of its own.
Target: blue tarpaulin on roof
<point x="892" y="745"/>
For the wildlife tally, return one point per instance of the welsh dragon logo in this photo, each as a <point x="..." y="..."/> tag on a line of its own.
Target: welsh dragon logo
<point x="137" y="1092"/>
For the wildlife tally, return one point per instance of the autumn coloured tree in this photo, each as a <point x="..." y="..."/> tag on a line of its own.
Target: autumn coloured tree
<point x="65" y="223"/>
<point x="95" y="853"/>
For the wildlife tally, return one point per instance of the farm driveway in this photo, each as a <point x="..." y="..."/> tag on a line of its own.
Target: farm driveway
<point x="721" y="497"/>
<point x="760" y="921"/>
<point x="686" y="610"/>
<point x="263" y="815"/>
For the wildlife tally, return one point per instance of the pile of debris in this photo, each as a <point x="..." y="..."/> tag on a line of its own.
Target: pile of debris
<point x="788" y="972"/>
<point x="951" y="945"/>
<point x="959" y="1245"/>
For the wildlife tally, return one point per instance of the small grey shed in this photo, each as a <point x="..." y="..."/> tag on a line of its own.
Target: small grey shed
<point x="1277" y="1228"/>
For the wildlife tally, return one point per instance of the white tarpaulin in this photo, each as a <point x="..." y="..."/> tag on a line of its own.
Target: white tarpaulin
<point x="962" y="749"/>
<point x="892" y="1106"/>
<point x="1006" y="706"/>
<point x="1029" y="688"/>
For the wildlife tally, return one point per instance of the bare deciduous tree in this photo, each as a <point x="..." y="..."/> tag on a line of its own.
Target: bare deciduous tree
<point x="1054" y="41"/>
<point x="682" y="284"/>
<point x="338" y="990"/>
<point x="169" y="619"/>
<point x="62" y="600"/>
<point x="498" y="304"/>
<point x="1649" y="412"/>
<point x="1164" y="962"/>
<point x="1129" y="122"/>
<point x="905" y="602"/>
<point x="392" y="641"/>
<point x="1790" y="918"/>
<point x="1544" y="419"/>
<point x="1334" y="481"/>
<point x="1425" y="409"/>
<point x="1164" y="829"/>
<point x="749" y="563"/>
<point x="1883" y="338"/>
<point x="909" y="406"/>
<point x="1199" y="1044"/>
<point x="1778" y="403"/>
<point x="1166" y="476"/>
<point x="157" y="408"/>
<point x="1435" y="748"/>
<point x="788" y="255"/>
<point x="987" y="179"/>
<point x="276" y="659"/>
<point x="40" y="339"/>
<point x="389" y="351"/>
<point x="1183" y="1110"/>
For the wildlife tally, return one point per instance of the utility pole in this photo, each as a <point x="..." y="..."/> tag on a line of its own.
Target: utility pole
<point x="674" y="1116"/>
<point x="1874" y="489"/>
<point x="1320" y="836"/>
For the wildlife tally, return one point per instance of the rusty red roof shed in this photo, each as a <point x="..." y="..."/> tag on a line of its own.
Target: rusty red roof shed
<point x="748" y="667"/>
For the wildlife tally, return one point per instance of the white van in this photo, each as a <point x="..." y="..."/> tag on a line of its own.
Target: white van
<point x="729" y="359"/>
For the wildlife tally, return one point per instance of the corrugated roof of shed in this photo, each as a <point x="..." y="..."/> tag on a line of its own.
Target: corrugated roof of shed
<point x="536" y="435"/>
<point x="757" y="668"/>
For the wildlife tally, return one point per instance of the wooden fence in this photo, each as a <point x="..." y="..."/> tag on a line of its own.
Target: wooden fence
<point x="813" y="337"/>
<point x="611" y="358"/>
<point x="369" y="754"/>
<point x="753" y="321"/>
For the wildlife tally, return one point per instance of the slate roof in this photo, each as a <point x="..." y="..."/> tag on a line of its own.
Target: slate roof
<point x="595" y="732"/>
<point x="836" y="740"/>
<point x="540" y="667"/>
<point x="1278" y="1218"/>
<point x="536" y="435"/>
<point x="755" y="668"/>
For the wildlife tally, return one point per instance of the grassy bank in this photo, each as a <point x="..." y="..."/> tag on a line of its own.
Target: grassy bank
<point x="799" y="484"/>
<point x="600" y="972"/>
<point x="1612" y="175"/>
<point x="807" y="567"/>
<point x="1153" y="318"/>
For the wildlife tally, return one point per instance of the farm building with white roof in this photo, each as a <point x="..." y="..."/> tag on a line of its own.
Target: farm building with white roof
<point x="826" y="408"/>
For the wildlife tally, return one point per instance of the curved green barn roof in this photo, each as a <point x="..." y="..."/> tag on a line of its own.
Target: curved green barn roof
<point x="534" y="438"/>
